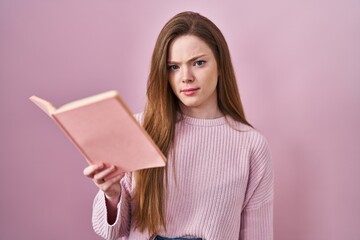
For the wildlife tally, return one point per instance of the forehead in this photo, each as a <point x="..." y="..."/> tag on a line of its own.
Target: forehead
<point x="186" y="47"/>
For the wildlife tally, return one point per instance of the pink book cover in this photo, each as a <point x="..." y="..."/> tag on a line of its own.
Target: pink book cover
<point x="104" y="130"/>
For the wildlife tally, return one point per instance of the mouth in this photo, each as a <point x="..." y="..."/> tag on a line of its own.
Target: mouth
<point x="189" y="91"/>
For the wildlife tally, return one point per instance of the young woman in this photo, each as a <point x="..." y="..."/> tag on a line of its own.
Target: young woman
<point x="218" y="182"/>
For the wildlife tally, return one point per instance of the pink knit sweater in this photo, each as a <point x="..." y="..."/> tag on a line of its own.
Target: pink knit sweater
<point x="223" y="188"/>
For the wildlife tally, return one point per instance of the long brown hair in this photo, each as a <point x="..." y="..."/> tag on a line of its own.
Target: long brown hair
<point x="162" y="107"/>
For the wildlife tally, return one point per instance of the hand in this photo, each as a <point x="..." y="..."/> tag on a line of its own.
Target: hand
<point x="99" y="173"/>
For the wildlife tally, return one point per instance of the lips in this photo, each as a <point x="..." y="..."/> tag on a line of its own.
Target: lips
<point x="189" y="91"/>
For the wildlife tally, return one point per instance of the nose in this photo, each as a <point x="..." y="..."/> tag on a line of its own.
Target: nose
<point x="187" y="75"/>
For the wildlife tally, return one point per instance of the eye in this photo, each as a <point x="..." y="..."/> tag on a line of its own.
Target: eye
<point x="173" y="67"/>
<point x="200" y="63"/>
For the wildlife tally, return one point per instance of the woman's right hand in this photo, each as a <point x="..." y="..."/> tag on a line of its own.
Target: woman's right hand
<point x="99" y="174"/>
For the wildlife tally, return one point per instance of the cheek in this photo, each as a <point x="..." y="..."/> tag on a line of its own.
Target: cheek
<point x="172" y="85"/>
<point x="213" y="85"/>
<point x="211" y="79"/>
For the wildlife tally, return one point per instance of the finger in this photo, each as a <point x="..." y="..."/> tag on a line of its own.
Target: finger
<point x="90" y="170"/>
<point x="106" y="186"/>
<point x="100" y="177"/>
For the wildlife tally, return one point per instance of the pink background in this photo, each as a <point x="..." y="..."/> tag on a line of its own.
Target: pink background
<point x="298" y="69"/>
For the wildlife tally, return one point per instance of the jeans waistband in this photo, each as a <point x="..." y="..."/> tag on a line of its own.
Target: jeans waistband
<point x="180" y="238"/>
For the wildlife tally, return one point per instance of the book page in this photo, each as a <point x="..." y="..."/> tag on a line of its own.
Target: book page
<point x="106" y="131"/>
<point x="87" y="101"/>
<point x="44" y="105"/>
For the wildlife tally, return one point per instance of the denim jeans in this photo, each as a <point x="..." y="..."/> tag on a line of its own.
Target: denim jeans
<point x="164" y="238"/>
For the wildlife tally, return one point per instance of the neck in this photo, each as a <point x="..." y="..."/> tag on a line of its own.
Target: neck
<point x="201" y="113"/>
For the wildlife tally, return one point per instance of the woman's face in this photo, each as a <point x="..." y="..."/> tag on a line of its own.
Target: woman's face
<point x="193" y="76"/>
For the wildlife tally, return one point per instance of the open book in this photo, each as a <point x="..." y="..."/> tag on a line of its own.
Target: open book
<point x="104" y="130"/>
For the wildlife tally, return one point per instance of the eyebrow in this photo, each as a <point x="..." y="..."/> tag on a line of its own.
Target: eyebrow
<point x="190" y="60"/>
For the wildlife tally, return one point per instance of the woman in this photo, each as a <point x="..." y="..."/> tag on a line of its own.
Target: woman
<point x="218" y="182"/>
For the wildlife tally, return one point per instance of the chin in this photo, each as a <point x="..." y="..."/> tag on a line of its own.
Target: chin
<point x="190" y="104"/>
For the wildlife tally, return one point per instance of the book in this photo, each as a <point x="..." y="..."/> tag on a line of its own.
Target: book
<point x="104" y="130"/>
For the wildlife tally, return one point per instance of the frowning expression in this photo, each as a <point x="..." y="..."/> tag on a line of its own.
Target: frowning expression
<point x="193" y="74"/>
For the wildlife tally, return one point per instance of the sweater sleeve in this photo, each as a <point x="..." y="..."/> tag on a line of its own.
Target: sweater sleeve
<point x="257" y="213"/>
<point x="121" y="226"/>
